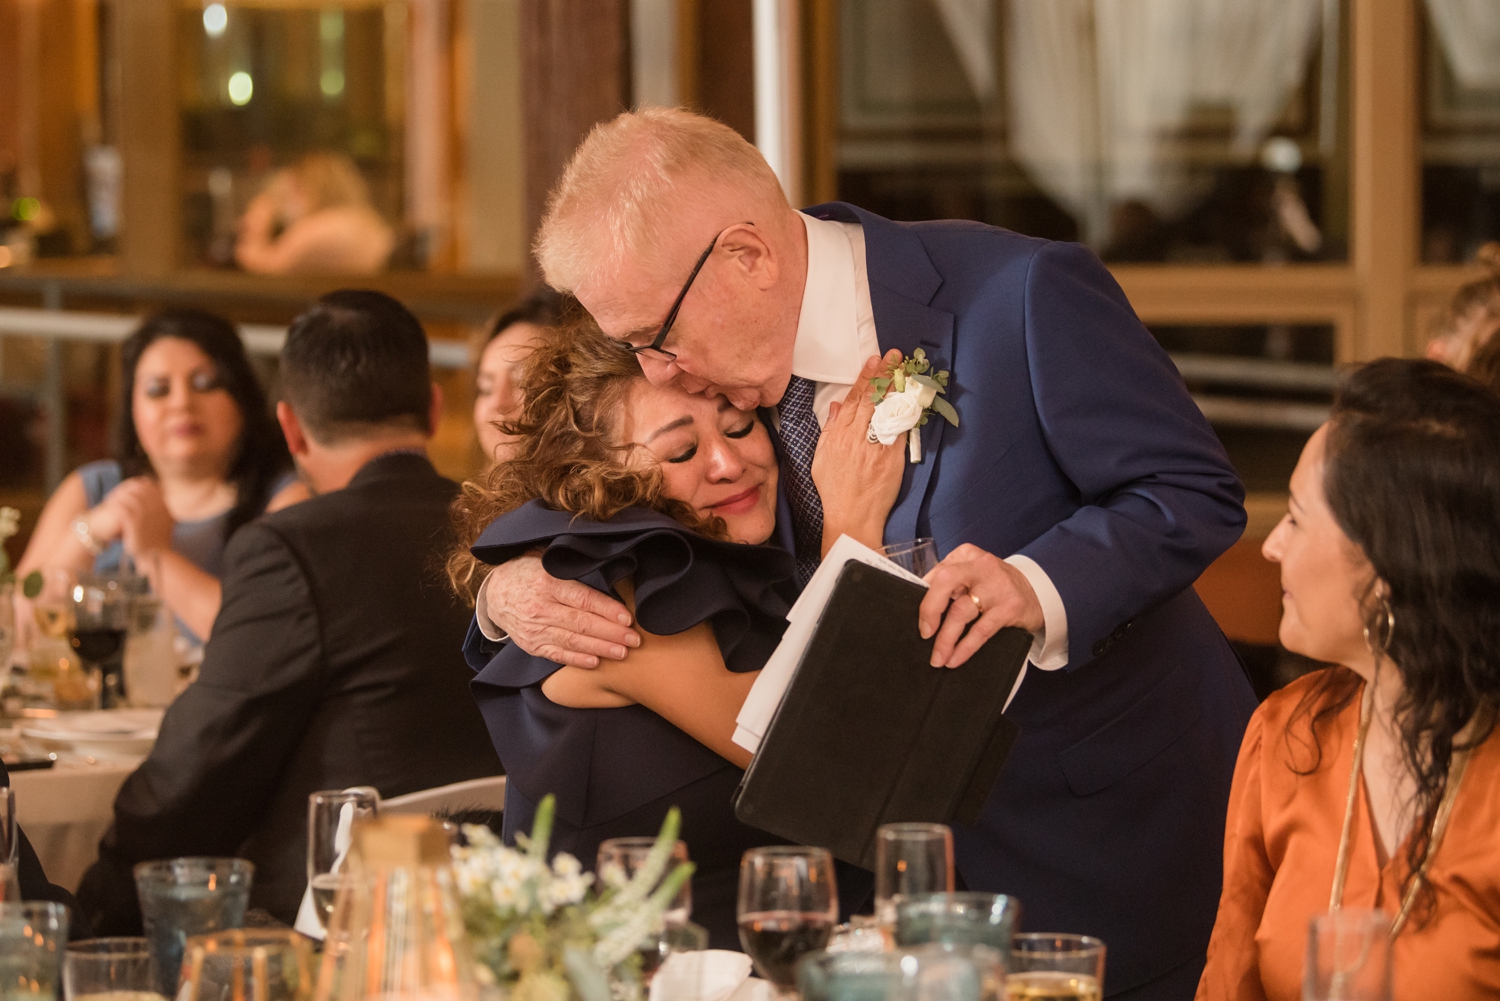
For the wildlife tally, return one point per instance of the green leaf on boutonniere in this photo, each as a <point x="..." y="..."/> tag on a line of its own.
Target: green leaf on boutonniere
<point x="929" y="382"/>
<point x="945" y="408"/>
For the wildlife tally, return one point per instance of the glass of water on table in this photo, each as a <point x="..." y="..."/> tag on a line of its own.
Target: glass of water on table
<point x="183" y="897"/>
<point x="787" y="907"/>
<point x="110" y="969"/>
<point x="331" y="816"/>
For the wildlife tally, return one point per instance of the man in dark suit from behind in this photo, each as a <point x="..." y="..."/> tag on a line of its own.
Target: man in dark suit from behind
<point x="335" y="658"/>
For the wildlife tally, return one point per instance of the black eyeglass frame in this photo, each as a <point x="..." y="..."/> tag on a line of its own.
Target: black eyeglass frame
<point x="666" y="326"/>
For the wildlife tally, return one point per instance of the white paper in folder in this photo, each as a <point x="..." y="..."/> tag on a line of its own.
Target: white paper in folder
<point x="765" y="695"/>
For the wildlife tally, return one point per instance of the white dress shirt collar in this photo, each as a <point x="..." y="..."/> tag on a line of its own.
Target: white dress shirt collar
<point x="828" y="335"/>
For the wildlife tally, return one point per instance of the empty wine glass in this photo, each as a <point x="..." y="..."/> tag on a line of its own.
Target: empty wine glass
<point x="910" y="860"/>
<point x="1348" y="957"/>
<point x="7" y="623"/>
<point x="331" y="816"/>
<point x="788" y="905"/>
<point x="918" y="556"/>
<point x="617" y="862"/>
<point x="10" y="855"/>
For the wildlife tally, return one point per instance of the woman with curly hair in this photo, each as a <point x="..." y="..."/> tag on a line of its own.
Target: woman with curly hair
<point x="1372" y="784"/>
<point x="667" y="500"/>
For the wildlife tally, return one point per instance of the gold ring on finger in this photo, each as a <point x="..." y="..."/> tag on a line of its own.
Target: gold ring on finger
<point x="977" y="605"/>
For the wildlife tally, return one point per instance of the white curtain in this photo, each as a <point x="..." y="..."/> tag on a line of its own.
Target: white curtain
<point x="1469" y="32"/>
<point x="1095" y="86"/>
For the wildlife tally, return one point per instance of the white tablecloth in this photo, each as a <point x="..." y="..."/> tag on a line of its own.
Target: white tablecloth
<point x="64" y="810"/>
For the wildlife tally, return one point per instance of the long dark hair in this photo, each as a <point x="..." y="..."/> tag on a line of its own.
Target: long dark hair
<point x="1412" y="475"/>
<point x="260" y="455"/>
<point x="570" y="453"/>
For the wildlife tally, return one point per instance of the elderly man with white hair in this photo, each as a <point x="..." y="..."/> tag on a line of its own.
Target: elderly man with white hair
<point x="1079" y="497"/>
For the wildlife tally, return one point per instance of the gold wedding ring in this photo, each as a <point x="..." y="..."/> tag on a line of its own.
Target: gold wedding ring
<point x="975" y="600"/>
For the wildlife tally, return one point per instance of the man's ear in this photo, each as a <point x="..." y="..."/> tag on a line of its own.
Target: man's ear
<point x="435" y="410"/>
<point x="291" y="428"/>
<point x="752" y="253"/>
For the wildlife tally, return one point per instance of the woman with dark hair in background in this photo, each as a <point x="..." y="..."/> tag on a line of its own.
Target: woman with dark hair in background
<point x="197" y="455"/>
<point x="1385" y="767"/>
<point x="508" y="340"/>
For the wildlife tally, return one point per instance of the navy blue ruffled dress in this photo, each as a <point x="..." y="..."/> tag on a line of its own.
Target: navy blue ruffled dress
<point x="616" y="772"/>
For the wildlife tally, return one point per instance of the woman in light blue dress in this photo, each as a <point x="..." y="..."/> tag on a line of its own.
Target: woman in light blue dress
<point x="197" y="454"/>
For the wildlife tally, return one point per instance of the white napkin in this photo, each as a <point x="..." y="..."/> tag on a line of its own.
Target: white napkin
<point x="710" y="975"/>
<point x="765" y="695"/>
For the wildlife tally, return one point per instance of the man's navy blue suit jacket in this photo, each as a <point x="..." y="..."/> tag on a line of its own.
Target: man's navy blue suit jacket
<point x="1079" y="446"/>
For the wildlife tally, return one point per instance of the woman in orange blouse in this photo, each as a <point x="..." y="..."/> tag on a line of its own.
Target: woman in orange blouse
<point x="1390" y="570"/>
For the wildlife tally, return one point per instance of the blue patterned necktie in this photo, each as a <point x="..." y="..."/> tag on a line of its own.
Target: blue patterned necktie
<point x="799" y="438"/>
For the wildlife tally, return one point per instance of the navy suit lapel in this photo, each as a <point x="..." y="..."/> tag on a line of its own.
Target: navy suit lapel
<point x="902" y="283"/>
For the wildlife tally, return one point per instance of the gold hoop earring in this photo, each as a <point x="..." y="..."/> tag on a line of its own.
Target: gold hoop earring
<point x="1387" y="634"/>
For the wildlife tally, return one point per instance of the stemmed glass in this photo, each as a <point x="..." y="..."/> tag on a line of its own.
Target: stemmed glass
<point x="330" y="828"/>
<point x="1348" y="957"/>
<point x="617" y="862"/>
<point x="101" y="614"/>
<point x="910" y="860"/>
<point x="788" y="905"/>
<point x="917" y="556"/>
<point x="10" y="886"/>
<point x="7" y="622"/>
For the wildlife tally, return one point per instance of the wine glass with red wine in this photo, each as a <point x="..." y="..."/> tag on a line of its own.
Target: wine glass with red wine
<point x="101" y="613"/>
<point x="788" y="907"/>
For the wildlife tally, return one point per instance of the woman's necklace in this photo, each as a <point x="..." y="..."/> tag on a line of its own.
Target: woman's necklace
<point x="1456" y="769"/>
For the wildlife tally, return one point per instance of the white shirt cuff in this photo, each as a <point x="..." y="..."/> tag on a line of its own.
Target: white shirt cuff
<point x="487" y="626"/>
<point x="1049" y="646"/>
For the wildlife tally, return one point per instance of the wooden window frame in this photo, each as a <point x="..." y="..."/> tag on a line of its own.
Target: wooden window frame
<point x="1381" y="302"/>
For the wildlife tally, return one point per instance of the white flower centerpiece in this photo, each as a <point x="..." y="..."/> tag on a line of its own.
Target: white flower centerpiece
<point x="905" y="399"/>
<point x="545" y="931"/>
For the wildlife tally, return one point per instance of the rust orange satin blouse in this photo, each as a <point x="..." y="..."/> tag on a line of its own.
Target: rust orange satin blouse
<point x="1280" y="843"/>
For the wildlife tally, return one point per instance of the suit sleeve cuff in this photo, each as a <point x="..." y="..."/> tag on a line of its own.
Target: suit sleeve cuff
<point x="1049" y="645"/>
<point x="487" y="626"/>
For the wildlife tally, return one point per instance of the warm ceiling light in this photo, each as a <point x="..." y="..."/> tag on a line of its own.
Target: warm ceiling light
<point x="241" y="87"/>
<point x="215" y="19"/>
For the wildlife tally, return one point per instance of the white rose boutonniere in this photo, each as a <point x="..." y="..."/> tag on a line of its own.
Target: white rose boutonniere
<point x="905" y="399"/>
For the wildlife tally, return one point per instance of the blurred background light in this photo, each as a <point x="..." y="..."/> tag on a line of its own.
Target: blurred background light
<point x="241" y="87"/>
<point x="26" y="209"/>
<point x="332" y="82"/>
<point x="215" y="19"/>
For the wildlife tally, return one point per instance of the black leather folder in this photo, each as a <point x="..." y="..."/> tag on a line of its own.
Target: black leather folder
<point x="868" y="733"/>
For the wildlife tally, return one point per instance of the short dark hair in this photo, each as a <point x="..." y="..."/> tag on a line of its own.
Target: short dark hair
<point x="355" y="364"/>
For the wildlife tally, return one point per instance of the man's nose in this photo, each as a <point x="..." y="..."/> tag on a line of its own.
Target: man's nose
<point x="657" y="371"/>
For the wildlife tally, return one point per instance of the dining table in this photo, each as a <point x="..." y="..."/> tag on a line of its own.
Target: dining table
<point x="66" y="808"/>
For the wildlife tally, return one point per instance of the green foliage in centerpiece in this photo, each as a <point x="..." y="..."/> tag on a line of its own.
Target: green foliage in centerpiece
<point x="545" y="931"/>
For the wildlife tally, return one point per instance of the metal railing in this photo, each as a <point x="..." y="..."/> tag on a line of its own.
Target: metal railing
<point x="57" y="326"/>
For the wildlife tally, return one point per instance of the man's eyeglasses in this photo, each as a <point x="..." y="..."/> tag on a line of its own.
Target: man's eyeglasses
<point x="655" y="347"/>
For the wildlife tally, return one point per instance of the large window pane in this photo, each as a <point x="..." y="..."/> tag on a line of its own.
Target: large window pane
<point x="1174" y="130"/>
<point x="401" y="117"/>
<point x="1460" y="104"/>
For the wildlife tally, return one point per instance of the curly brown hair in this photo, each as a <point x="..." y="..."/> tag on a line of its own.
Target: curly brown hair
<point x="570" y="452"/>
